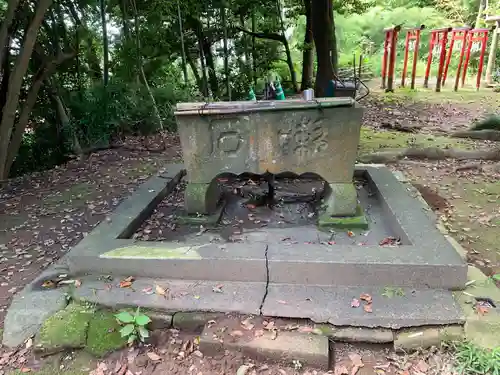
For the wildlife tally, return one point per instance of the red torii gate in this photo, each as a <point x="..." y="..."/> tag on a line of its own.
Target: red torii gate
<point x="412" y="34"/>
<point x="475" y="36"/>
<point x="458" y="34"/>
<point x="439" y="37"/>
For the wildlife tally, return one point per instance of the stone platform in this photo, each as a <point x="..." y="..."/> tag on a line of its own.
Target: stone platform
<point x="298" y="255"/>
<point x="294" y="271"/>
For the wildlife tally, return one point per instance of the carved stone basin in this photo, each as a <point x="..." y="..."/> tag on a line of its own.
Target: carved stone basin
<point x="303" y="137"/>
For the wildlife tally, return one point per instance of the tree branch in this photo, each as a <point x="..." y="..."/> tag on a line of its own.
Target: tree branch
<point x="271" y="36"/>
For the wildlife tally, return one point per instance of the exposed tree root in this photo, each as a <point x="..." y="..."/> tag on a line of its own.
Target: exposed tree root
<point x="485" y="135"/>
<point x="430" y="153"/>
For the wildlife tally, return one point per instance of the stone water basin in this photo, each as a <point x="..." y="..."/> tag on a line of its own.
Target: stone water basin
<point x="318" y="138"/>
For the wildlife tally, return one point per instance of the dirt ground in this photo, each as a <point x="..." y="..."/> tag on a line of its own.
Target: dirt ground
<point x="43" y="215"/>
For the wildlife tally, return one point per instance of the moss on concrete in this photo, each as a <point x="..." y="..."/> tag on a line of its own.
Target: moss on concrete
<point x="103" y="334"/>
<point x="163" y="251"/>
<point x="348" y="222"/>
<point x="67" y="329"/>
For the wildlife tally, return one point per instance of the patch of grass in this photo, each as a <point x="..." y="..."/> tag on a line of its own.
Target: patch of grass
<point x="103" y="335"/>
<point x="391" y="292"/>
<point x="491" y="122"/>
<point x="372" y="140"/>
<point x="472" y="360"/>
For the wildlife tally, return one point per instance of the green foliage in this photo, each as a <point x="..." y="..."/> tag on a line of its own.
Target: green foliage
<point x="472" y="360"/>
<point x="491" y="122"/>
<point x="100" y="113"/>
<point x="134" y="326"/>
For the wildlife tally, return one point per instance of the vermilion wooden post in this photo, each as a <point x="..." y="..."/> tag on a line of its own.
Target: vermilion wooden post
<point x="415" y="58"/>
<point x="432" y="42"/>
<point x="384" y="58"/>
<point x="405" y="63"/>
<point x="392" y="58"/>
<point x="461" y="60"/>
<point x="484" y="42"/>
<point x="442" y="59"/>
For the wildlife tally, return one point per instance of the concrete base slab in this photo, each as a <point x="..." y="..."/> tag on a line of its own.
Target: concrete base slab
<point x="359" y="221"/>
<point x="306" y="349"/>
<point x="334" y="305"/>
<point x="244" y="298"/>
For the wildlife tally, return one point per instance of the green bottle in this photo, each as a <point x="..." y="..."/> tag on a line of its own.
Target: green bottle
<point x="280" y="95"/>
<point x="251" y="95"/>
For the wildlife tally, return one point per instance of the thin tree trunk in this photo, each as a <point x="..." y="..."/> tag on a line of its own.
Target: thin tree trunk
<point x="6" y="23"/>
<point x="289" y="59"/>
<point x="254" y="53"/>
<point x="203" y="69"/>
<point x="196" y="74"/>
<point x="183" y="48"/>
<point x="482" y="8"/>
<point x="65" y="120"/>
<point x="210" y="64"/>
<point x="124" y="14"/>
<point x="226" y="57"/>
<point x="307" y="54"/>
<point x="333" y="41"/>
<point x="105" y="42"/>
<point x="492" y="55"/>
<point x="141" y="68"/>
<point x="322" y="31"/>
<point x="15" y="83"/>
<point x="43" y="73"/>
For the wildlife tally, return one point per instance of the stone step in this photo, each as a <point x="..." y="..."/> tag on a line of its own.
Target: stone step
<point x="393" y="308"/>
<point x="266" y="255"/>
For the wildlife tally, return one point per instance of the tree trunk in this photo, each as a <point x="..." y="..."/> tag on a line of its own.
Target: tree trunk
<point x="254" y="53"/>
<point x="141" y="68"/>
<point x="65" y="120"/>
<point x="104" y="42"/>
<point x="196" y="74"/>
<point x="203" y="69"/>
<point x="183" y="48"/>
<point x="15" y="83"/>
<point x="492" y="55"/>
<point x="43" y="73"/>
<point x="289" y="60"/>
<point x="482" y="8"/>
<point x="226" y="57"/>
<point x="124" y="14"/>
<point x="307" y="54"/>
<point x="4" y="30"/>
<point x="322" y="24"/>
<point x="209" y="59"/>
<point x="334" y="53"/>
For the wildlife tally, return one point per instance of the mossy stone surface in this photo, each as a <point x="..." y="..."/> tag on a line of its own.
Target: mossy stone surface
<point x="67" y="329"/>
<point x="103" y="335"/>
<point x="359" y="221"/>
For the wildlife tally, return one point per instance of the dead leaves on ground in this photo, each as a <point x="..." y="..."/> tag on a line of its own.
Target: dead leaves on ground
<point x="367" y="299"/>
<point x="127" y="283"/>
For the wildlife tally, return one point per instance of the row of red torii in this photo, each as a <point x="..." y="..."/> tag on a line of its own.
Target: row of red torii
<point x="467" y="40"/>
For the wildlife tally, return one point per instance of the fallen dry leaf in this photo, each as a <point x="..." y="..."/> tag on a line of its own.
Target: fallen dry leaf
<point x="282" y="302"/>
<point x="160" y="291"/>
<point x="259" y="333"/>
<point x="125" y="284"/>
<point x="356" y="359"/>
<point x="236" y="333"/>
<point x="350" y="233"/>
<point x="29" y="343"/>
<point x="355" y="303"/>
<point x="274" y="334"/>
<point x="153" y="356"/>
<point x="341" y="370"/>
<point x="49" y="284"/>
<point x="368" y="308"/>
<point x="365" y="297"/>
<point x="422" y="366"/>
<point x="482" y="310"/>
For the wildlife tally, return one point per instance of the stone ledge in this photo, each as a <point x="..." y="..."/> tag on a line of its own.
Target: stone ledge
<point x="308" y="349"/>
<point x="425" y="337"/>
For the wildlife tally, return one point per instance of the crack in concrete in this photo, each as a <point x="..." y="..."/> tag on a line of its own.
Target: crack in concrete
<point x="267" y="281"/>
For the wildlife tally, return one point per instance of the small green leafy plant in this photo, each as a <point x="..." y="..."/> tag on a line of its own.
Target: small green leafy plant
<point x="134" y="326"/>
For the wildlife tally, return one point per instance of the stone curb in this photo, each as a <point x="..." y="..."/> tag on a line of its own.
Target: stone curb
<point x="308" y="349"/>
